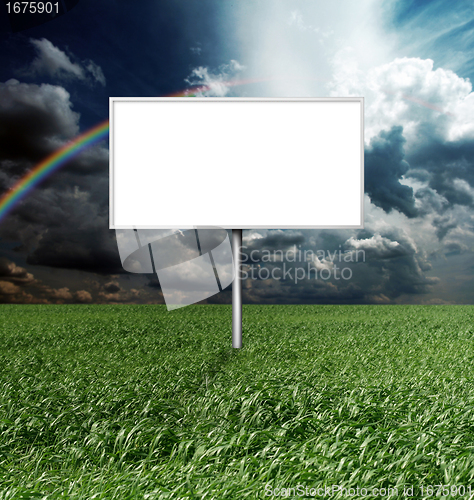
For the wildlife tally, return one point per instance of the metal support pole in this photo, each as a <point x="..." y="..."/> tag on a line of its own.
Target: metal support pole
<point x="237" y="289"/>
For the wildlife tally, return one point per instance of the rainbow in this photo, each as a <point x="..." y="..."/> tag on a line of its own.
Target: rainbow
<point x="56" y="160"/>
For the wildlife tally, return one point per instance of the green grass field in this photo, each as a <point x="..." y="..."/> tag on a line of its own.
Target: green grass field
<point x="134" y="402"/>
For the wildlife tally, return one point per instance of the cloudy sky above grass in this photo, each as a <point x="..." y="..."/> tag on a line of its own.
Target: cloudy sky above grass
<point x="411" y="60"/>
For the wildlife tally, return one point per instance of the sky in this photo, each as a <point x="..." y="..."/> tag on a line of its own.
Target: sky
<point x="411" y="60"/>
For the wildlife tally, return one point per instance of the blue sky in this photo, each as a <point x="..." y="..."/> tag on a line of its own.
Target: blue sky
<point x="411" y="60"/>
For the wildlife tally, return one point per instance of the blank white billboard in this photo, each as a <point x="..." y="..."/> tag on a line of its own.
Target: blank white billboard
<point x="236" y="163"/>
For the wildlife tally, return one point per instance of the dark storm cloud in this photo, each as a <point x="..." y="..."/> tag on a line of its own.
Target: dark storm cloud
<point x="36" y="120"/>
<point x="430" y="201"/>
<point x="112" y="287"/>
<point x="63" y="223"/>
<point x="78" y="238"/>
<point x="393" y="265"/>
<point x="93" y="255"/>
<point x="404" y="275"/>
<point x="65" y="227"/>
<point x="385" y="166"/>
<point x="33" y="120"/>
<point x="447" y="164"/>
<point x="454" y="248"/>
<point x="310" y="292"/>
<point x="382" y="266"/>
<point x="443" y="225"/>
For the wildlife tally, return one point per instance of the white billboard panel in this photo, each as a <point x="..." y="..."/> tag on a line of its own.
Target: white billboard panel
<point x="236" y="163"/>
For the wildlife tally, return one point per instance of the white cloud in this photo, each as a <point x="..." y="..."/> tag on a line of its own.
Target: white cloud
<point x="214" y="84"/>
<point x="55" y="63"/>
<point x="382" y="247"/>
<point x="411" y="93"/>
<point x="52" y="61"/>
<point x="96" y="71"/>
